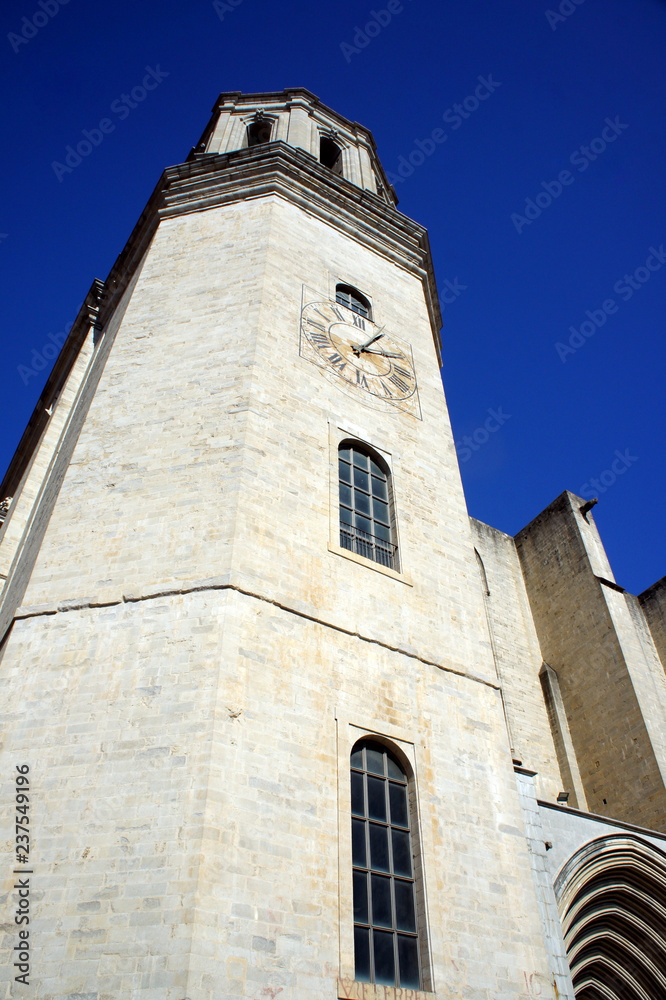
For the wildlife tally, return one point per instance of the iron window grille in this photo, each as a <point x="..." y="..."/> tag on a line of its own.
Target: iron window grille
<point x="365" y="508"/>
<point x="386" y="946"/>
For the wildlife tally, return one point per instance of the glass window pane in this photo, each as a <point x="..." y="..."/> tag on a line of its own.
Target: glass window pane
<point x="357" y="794"/>
<point x="398" y="800"/>
<point x="378" y="847"/>
<point x="361" y="897"/>
<point x="345" y="472"/>
<point x="357" y="759"/>
<point x="405" y="919"/>
<point x="379" y="488"/>
<point x="381" y="531"/>
<point x="363" y="524"/>
<point x="376" y="798"/>
<point x="381" y="901"/>
<point x="360" y="460"/>
<point x="362" y="954"/>
<point x="384" y="961"/>
<point x="361" y="479"/>
<point x="409" y="962"/>
<point x="345" y="494"/>
<point x="345" y="515"/>
<point x="376" y="471"/>
<point x="375" y="759"/>
<point x="402" y="857"/>
<point x="380" y="510"/>
<point x="394" y="769"/>
<point x="358" y="843"/>
<point x="362" y="502"/>
<point x="345" y="453"/>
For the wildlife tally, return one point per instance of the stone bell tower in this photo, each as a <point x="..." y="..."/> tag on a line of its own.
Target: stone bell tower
<point x="238" y="560"/>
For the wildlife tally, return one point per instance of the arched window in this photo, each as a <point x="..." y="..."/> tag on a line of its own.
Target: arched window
<point x="386" y="941"/>
<point x="366" y="523"/>
<point x="259" y="131"/>
<point x="353" y="299"/>
<point x="330" y="154"/>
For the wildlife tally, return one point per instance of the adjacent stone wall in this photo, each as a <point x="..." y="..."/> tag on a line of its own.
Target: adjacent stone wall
<point x="653" y="602"/>
<point x="518" y="657"/>
<point x="588" y="637"/>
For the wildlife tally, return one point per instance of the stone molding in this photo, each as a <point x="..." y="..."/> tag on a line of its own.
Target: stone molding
<point x="223" y="583"/>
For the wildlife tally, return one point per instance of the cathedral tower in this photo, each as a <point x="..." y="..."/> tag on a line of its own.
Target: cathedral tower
<point x="247" y="654"/>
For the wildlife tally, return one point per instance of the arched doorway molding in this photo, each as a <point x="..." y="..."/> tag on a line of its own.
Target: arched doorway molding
<point x="612" y="900"/>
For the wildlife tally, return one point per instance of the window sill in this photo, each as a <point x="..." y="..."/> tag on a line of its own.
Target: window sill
<point x="369" y="564"/>
<point x="349" y="989"/>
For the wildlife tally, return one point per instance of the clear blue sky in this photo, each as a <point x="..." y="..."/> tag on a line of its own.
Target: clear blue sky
<point x="519" y="285"/>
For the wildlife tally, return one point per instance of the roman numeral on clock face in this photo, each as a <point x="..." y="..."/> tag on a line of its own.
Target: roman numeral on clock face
<point x="337" y="361"/>
<point x="361" y="379"/>
<point x="358" y="321"/>
<point x="398" y="382"/>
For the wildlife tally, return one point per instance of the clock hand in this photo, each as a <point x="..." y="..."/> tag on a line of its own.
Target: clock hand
<point x="383" y="354"/>
<point x="357" y="348"/>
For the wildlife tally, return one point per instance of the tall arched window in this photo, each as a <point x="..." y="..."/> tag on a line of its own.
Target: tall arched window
<point x="386" y="942"/>
<point x="353" y="299"/>
<point x="366" y="523"/>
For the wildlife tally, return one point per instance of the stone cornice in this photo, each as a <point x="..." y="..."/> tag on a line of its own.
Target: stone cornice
<point x="208" y="181"/>
<point x="20" y="463"/>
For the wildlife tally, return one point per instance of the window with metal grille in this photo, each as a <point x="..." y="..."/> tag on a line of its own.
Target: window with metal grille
<point x="365" y="506"/>
<point x="386" y="945"/>
<point x="352" y="298"/>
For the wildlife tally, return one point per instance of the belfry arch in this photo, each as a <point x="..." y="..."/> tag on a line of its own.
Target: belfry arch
<point x="612" y="901"/>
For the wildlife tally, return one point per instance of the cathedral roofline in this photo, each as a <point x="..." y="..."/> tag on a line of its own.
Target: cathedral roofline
<point x="289" y="94"/>
<point x="210" y="180"/>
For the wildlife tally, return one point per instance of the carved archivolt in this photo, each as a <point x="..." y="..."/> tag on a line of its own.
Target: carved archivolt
<point x="612" y="900"/>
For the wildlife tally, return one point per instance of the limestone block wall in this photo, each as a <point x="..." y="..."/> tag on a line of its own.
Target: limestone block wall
<point x="207" y="448"/>
<point x="194" y="647"/>
<point x="653" y="603"/>
<point x="191" y="827"/>
<point x="518" y="657"/>
<point x="588" y="637"/>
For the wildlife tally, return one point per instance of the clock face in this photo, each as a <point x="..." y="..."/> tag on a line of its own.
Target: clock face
<point x="363" y="355"/>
